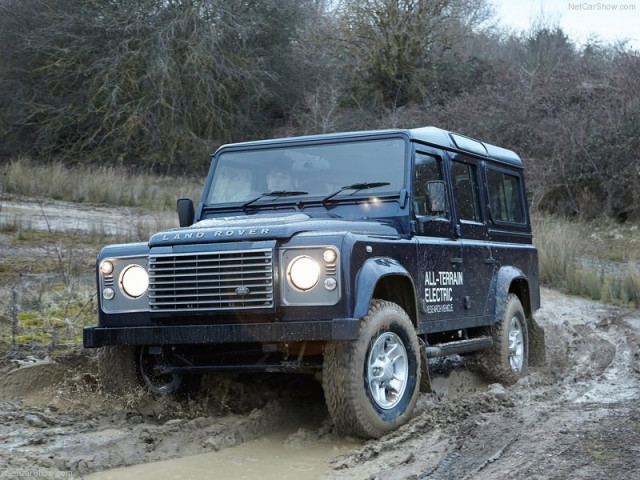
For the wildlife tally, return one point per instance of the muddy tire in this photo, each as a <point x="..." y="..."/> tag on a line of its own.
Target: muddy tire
<point x="156" y="381"/>
<point x="117" y="369"/>
<point x="507" y="360"/>
<point x="371" y="384"/>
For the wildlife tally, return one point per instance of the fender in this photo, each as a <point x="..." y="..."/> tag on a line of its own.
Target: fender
<point x="500" y="289"/>
<point x="502" y="282"/>
<point x="368" y="277"/>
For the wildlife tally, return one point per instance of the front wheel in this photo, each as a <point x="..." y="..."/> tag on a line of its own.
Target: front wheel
<point x="154" y="372"/>
<point x="371" y="384"/>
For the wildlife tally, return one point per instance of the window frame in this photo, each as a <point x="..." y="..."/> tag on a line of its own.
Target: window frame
<point x="472" y="170"/>
<point x="521" y="197"/>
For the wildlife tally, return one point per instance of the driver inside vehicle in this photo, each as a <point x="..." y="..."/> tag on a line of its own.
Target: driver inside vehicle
<point x="280" y="177"/>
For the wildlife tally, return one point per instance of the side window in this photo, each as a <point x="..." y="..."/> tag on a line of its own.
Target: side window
<point x="505" y="197"/>
<point x="427" y="169"/>
<point x="465" y="191"/>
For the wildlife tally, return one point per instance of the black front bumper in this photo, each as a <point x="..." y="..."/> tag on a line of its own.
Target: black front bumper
<point x="338" y="329"/>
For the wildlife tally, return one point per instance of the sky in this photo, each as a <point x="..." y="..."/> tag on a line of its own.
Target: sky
<point x="607" y="20"/>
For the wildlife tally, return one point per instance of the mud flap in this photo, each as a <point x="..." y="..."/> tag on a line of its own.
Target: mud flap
<point x="537" y="351"/>
<point x="425" y="378"/>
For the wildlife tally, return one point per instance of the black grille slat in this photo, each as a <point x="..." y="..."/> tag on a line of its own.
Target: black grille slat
<point x="211" y="281"/>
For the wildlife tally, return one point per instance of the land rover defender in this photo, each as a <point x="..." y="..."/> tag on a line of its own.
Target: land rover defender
<point x="352" y="256"/>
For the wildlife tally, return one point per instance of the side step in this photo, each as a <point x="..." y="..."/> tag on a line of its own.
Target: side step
<point x="457" y="347"/>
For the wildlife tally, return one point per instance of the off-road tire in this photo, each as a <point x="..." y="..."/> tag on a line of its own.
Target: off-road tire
<point x="156" y="384"/>
<point x="117" y="369"/>
<point x="496" y="362"/>
<point x="347" y="366"/>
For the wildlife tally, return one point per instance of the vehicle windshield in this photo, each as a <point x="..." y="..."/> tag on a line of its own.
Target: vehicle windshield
<point x="309" y="172"/>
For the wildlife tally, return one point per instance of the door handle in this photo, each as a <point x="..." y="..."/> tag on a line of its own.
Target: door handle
<point x="456" y="260"/>
<point x="490" y="261"/>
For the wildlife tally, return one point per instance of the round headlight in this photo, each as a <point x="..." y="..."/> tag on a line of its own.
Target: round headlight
<point x="134" y="281"/>
<point x="107" y="268"/>
<point x="329" y="256"/>
<point x="304" y="272"/>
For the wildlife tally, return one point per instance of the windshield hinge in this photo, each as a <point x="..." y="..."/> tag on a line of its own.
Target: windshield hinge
<point x="404" y="195"/>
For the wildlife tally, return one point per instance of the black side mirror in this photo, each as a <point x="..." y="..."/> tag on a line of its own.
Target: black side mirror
<point x="436" y="197"/>
<point x="186" y="212"/>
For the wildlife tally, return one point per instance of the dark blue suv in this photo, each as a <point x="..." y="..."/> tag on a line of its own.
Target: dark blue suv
<point x="353" y="256"/>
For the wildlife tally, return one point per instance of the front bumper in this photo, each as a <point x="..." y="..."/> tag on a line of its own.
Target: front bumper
<point x="337" y="329"/>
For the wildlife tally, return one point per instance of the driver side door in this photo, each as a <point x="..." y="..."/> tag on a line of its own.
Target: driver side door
<point x="439" y="252"/>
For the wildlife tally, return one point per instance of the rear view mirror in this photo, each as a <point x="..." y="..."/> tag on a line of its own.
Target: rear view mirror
<point x="186" y="212"/>
<point x="436" y="197"/>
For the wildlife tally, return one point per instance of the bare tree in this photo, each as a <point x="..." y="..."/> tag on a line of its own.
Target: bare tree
<point x="152" y="80"/>
<point x="395" y="49"/>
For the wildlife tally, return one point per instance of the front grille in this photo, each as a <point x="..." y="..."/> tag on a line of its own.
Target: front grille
<point x="226" y="280"/>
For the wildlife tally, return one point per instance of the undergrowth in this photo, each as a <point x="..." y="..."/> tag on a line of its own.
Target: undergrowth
<point x="107" y="185"/>
<point x="597" y="260"/>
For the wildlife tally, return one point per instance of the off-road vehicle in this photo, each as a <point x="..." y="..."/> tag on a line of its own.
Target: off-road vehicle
<point x="354" y="256"/>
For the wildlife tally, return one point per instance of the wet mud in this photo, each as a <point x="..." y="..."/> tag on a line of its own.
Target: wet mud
<point x="577" y="416"/>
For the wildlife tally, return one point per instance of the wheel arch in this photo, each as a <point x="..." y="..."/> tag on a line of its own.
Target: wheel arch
<point x="385" y="279"/>
<point x="511" y="280"/>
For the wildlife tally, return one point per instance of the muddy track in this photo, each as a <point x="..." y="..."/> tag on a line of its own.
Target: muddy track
<point x="576" y="417"/>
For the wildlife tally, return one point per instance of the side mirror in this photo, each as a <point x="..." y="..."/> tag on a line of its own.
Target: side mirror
<point x="436" y="197"/>
<point x="186" y="212"/>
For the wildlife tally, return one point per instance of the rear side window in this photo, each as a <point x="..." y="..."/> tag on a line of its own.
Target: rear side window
<point x="505" y="197"/>
<point x="465" y="190"/>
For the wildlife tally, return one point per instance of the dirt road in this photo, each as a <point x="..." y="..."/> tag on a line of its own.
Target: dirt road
<point x="578" y="417"/>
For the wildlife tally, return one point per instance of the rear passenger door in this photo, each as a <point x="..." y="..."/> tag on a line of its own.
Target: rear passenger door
<point x="509" y="228"/>
<point x="471" y="229"/>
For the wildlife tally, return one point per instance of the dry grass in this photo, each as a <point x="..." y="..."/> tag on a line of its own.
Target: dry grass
<point x="596" y="260"/>
<point x="47" y="279"/>
<point x="104" y="185"/>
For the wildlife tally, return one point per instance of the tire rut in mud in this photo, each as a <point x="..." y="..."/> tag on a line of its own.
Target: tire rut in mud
<point x="55" y="416"/>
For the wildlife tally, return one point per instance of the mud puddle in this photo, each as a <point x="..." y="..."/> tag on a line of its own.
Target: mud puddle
<point x="458" y="382"/>
<point x="295" y="455"/>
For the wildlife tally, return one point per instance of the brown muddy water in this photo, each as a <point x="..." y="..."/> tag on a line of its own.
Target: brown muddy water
<point x="282" y="456"/>
<point x="296" y="455"/>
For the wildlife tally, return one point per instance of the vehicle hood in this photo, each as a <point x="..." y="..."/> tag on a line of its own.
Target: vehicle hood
<point x="267" y="226"/>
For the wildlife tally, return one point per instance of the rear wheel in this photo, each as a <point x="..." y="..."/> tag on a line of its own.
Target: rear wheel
<point x="507" y="360"/>
<point x="371" y="384"/>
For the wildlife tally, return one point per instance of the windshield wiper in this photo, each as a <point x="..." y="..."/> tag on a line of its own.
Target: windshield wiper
<point x="356" y="187"/>
<point x="277" y="194"/>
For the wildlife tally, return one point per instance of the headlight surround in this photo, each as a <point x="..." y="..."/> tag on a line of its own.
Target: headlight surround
<point x="134" y="281"/>
<point x="303" y="272"/>
<point x="310" y="275"/>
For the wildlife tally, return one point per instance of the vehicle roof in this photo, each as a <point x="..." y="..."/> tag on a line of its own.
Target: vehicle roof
<point x="427" y="135"/>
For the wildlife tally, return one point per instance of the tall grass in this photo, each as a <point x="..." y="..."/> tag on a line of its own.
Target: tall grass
<point x="567" y="263"/>
<point x="102" y="185"/>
